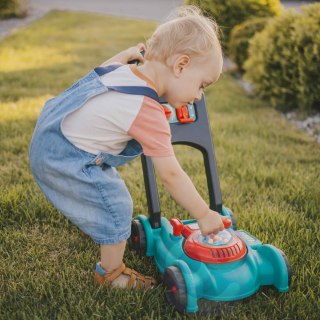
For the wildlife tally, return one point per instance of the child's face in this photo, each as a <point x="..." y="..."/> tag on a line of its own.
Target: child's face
<point x="191" y="76"/>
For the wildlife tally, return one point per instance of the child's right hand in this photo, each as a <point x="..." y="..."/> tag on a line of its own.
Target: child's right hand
<point x="132" y="53"/>
<point x="211" y="223"/>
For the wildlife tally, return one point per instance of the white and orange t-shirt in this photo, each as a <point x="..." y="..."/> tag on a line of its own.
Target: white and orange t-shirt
<point x="108" y="121"/>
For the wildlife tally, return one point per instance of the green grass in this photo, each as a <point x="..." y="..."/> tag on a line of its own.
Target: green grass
<point x="269" y="174"/>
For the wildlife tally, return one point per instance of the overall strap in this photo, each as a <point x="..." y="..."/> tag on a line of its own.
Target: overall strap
<point x="136" y="90"/>
<point x="103" y="70"/>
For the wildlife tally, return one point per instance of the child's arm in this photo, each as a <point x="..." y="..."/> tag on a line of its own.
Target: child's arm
<point x="132" y="53"/>
<point x="181" y="188"/>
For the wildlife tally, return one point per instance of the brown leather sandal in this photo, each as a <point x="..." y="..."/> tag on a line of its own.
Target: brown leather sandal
<point x="136" y="279"/>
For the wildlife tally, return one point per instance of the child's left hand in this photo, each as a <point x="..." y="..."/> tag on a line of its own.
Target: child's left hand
<point x="123" y="57"/>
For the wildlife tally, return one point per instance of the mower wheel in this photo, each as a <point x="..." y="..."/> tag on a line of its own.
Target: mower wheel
<point x="176" y="290"/>
<point x="233" y="219"/>
<point x="137" y="240"/>
<point x="287" y="265"/>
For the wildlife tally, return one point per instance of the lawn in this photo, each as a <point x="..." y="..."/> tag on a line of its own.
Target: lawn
<point x="269" y="175"/>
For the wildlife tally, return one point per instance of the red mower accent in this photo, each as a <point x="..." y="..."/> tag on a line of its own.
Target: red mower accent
<point x="183" y="115"/>
<point x="174" y="289"/>
<point x="167" y="111"/>
<point x="197" y="249"/>
<point x="177" y="225"/>
<point x="222" y="248"/>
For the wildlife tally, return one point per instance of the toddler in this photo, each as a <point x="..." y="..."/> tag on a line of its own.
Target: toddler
<point x="110" y="117"/>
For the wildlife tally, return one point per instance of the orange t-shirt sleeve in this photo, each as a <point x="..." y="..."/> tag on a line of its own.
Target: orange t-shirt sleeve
<point x="152" y="130"/>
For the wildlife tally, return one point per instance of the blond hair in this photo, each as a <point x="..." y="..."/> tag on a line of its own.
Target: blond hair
<point x="186" y="32"/>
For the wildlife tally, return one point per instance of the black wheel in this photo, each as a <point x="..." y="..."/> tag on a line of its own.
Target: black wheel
<point x="287" y="265"/>
<point x="176" y="290"/>
<point x="137" y="240"/>
<point x="233" y="219"/>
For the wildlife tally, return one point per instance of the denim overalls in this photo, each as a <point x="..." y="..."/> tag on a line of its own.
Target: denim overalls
<point x="85" y="187"/>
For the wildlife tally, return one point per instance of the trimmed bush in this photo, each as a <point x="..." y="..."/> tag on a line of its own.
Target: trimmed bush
<point x="13" y="8"/>
<point x="240" y="36"/>
<point x="284" y="60"/>
<point x="229" y="13"/>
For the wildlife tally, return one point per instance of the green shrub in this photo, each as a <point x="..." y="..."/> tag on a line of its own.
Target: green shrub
<point x="13" y="8"/>
<point x="229" y="13"/>
<point x="284" y="60"/>
<point x="240" y="36"/>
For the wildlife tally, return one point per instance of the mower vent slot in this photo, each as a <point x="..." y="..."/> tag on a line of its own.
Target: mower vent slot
<point x="226" y="252"/>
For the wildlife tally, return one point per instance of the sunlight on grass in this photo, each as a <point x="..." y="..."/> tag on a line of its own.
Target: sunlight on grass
<point x="32" y="57"/>
<point x="25" y="108"/>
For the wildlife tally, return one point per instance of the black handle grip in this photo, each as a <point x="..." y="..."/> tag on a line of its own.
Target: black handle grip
<point x="136" y="61"/>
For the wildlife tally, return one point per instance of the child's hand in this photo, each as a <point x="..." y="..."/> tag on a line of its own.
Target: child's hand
<point x="123" y="57"/>
<point x="134" y="53"/>
<point x="212" y="222"/>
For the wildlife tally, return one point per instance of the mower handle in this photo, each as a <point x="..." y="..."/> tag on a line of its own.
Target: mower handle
<point x="136" y="61"/>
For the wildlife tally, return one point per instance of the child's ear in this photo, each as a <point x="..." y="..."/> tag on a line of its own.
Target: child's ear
<point x="181" y="63"/>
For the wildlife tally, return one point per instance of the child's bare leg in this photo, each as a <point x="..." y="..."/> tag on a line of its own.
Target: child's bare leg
<point x="111" y="259"/>
<point x="112" y="255"/>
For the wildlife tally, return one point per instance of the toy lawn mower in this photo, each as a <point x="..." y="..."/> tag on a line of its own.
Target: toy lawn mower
<point x="227" y="267"/>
